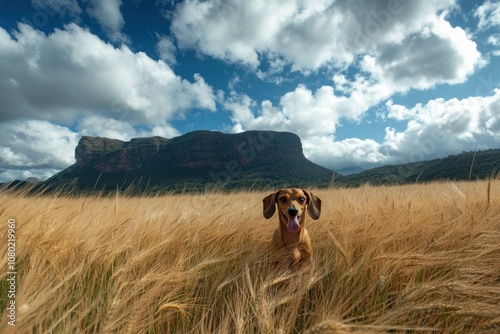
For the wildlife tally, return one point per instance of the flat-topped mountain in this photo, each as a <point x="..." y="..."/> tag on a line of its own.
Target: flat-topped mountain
<point x="202" y="160"/>
<point x="194" y="161"/>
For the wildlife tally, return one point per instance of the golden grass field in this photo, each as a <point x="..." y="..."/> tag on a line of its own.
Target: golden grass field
<point x="402" y="259"/>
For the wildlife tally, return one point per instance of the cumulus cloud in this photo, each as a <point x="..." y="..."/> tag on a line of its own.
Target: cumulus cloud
<point x="71" y="73"/>
<point x="440" y="54"/>
<point x="166" y="48"/>
<point x="307" y="34"/>
<point x="488" y="14"/>
<point x="108" y="15"/>
<point x="313" y="116"/>
<point x="494" y="40"/>
<point x="435" y="129"/>
<point x="442" y="127"/>
<point x="293" y="113"/>
<point x="97" y="125"/>
<point x="41" y="146"/>
<point x="349" y="152"/>
<point x="489" y="17"/>
<point x="310" y="113"/>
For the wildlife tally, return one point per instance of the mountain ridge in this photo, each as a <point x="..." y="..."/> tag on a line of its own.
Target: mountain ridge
<point x="463" y="166"/>
<point x="194" y="161"/>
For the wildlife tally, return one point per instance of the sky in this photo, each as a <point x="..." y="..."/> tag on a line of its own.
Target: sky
<point x="362" y="82"/>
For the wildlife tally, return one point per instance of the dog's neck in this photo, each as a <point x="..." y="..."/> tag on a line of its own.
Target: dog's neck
<point x="291" y="239"/>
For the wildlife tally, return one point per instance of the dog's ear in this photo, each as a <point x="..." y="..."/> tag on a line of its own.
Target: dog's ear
<point x="313" y="205"/>
<point x="269" y="204"/>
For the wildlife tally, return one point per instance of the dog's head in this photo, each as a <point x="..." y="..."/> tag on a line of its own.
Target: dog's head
<point x="292" y="203"/>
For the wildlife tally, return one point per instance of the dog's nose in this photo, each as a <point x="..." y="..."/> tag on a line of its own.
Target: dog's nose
<point x="293" y="212"/>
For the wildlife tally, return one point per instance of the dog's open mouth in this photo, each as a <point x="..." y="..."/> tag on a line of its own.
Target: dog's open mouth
<point x="293" y="223"/>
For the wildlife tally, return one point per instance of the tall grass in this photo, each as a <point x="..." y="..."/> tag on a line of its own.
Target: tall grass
<point x="417" y="258"/>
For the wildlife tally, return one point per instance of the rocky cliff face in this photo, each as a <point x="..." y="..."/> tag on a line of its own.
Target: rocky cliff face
<point x="112" y="155"/>
<point x="214" y="150"/>
<point x="198" y="149"/>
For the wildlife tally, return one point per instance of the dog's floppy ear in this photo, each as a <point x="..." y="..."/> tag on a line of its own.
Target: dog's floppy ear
<point x="269" y="203"/>
<point x="313" y="205"/>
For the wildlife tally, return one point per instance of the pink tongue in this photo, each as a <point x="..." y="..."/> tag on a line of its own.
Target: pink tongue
<point x="293" y="225"/>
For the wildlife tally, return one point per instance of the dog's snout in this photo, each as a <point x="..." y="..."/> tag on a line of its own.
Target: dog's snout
<point x="293" y="211"/>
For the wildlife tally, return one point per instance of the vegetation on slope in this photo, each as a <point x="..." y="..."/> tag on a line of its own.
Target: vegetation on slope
<point x="464" y="166"/>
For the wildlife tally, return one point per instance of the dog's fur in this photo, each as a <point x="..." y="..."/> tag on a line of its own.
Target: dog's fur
<point x="291" y="242"/>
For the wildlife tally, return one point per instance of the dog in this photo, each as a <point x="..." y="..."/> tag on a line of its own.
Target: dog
<point x="290" y="241"/>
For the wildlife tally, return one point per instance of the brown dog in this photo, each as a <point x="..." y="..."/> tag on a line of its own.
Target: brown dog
<point x="291" y="241"/>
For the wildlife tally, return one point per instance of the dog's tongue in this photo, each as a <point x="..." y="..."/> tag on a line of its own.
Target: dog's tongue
<point x="293" y="225"/>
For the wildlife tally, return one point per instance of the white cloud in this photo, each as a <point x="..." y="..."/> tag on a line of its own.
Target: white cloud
<point x="96" y="125"/>
<point x="441" y="54"/>
<point x="39" y="145"/>
<point x="494" y="40"/>
<point x="488" y="14"/>
<point x="328" y="152"/>
<point x="167" y="50"/>
<point x="108" y="15"/>
<point x="307" y="34"/>
<point x="71" y="73"/>
<point x="435" y="129"/>
<point x="295" y="113"/>
<point x="309" y="113"/>
<point x="441" y="127"/>
<point x="235" y="31"/>
<point x="8" y="175"/>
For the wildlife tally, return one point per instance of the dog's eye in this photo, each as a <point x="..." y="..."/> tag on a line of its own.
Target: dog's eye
<point x="302" y="199"/>
<point x="282" y="199"/>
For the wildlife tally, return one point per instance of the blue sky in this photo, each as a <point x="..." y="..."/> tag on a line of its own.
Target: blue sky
<point x="362" y="82"/>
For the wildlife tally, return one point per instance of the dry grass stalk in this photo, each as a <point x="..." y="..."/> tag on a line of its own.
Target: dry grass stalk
<point x="408" y="259"/>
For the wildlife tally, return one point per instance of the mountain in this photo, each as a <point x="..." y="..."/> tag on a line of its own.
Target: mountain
<point x="29" y="183"/>
<point x="195" y="161"/>
<point x="32" y="180"/>
<point x="350" y="170"/>
<point x="454" y="167"/>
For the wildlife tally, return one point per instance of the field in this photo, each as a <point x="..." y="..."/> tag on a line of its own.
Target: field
<point x="415" y="258"/>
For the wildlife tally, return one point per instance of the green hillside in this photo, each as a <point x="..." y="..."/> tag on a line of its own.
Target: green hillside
<point x="464" y="166"/>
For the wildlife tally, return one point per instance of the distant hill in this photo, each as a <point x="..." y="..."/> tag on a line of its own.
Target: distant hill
<point x="195" y="161"/>
<point x="350" y="170"/>
<point x="453" y="167"/>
